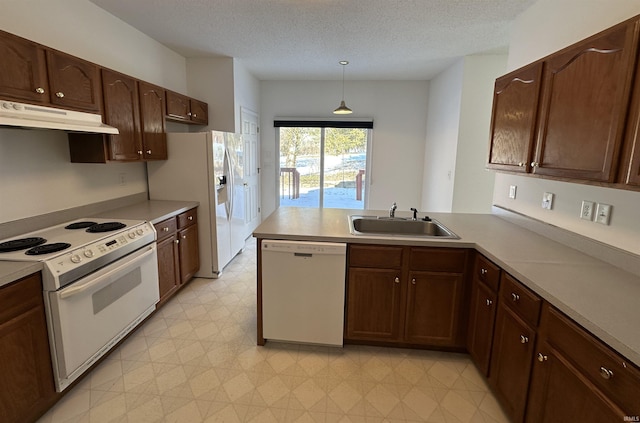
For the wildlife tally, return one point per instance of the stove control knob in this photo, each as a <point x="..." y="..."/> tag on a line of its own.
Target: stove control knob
<point x="88" y="253"/>
<point x="132" y="235"/>
<point x="76" y="258"/>
<point x="140" y="231"/>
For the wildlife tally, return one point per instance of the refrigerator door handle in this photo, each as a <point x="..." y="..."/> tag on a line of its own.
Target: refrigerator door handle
<point x="229" y="171"/>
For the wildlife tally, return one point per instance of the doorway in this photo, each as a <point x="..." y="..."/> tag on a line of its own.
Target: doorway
<point x="323" y="166"/>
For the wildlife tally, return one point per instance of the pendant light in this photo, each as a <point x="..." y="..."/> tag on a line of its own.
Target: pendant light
<point x="343" y="109"/>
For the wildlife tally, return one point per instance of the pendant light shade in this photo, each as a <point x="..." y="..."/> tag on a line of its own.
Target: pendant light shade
<point x="343" y="109"/>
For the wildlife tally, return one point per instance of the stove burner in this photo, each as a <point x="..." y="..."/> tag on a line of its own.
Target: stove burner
<point x="80" y="225"/>
<point x="47" y="248"/>
<point x="20" y="244"/>
<point x="106" y="227"/>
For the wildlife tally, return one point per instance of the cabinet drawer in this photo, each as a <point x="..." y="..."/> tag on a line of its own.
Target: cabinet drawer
<point x="383" y="257"/>
<point x="610" y="372"/>
<point x="166" y="228"/>
<point x="487" y="272"/>
<point x="438" y="259"/>
<point x="187" y="218"/>
<point x="524" y="302"/>
<point x="20" y="296"/>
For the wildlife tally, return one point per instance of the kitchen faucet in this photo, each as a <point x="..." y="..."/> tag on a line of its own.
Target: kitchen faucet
<point x="415" y="213"/>
<point x="392" y="210"/>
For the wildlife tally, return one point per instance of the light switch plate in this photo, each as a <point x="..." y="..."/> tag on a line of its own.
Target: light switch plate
<point x="512" y="191"/>
<point x="547" y="200"/>
<point x="603" y="213"/>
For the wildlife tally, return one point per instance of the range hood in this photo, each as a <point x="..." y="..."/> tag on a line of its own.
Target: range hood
<point x="23" y="115"/>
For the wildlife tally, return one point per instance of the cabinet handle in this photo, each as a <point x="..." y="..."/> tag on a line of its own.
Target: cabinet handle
<point x="188" y="113"/>
<point x="521" y="164"/>
<point x="542" y="357"/>
<point x="184" y="237"/>
<point x="194" y="115"/>
<point x="148" y="151"/>
<point x="489" y="302"/>
<point x="177" y="241"/>
<point x="413" y="281"/>
<point x="606" y="373"/>
<point x="140" y="152"/>
<point x="165" y="229"/>
<point x="524" y="339"/>
<point x="514" y="296"/>
<point x="59" y="94"/>
<point x="190" y="217"/>
<point x="535" y="164"/>
<point x="483" y="271"/>
<point x="40" y="90"/>
<point x="397" y="280"/>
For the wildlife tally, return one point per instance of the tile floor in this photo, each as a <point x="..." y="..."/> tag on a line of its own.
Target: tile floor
<point x="196" y="360"/>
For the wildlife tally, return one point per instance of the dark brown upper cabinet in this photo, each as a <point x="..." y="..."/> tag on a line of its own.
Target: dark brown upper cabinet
<point x="181" y="108"/>
<point x="32" y="73"/>
<point x="152" y="107"/>
<point x="121" y="109"/>
<point x="513" y="120"/>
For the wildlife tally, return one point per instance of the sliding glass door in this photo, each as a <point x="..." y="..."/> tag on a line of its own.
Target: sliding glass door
<point x="323" y="167"/>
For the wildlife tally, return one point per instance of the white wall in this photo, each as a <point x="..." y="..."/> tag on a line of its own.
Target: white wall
<point x="211" y="80"/>
<point x="545" y="27"/>
<point x="473" y="184"/>
<point x="398" y="109"/>
<point x="35" y="171"/>
<point x="458" y="120"/>
<point x="443" y="119"/>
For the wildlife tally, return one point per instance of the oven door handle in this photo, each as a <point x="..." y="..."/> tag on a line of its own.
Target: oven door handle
<point x="74" y="290"/>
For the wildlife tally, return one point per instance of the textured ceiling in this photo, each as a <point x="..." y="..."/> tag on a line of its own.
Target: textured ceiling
<point x="305" y="39"/>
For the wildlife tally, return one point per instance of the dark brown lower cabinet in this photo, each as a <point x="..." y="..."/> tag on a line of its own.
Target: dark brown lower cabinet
<point x="482" y="316"/>
<point x="27" y="389"/>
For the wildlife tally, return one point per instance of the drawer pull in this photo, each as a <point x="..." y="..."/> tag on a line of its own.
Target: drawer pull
<point x="177" y="241"/>
<point x="483" y="271"/>
<point x="489" y="302"/>
<point x="40" y="90"/>
<point x="524" y="339"/>
<point x="514" y="296"/>
<point x="190" y="217"/>
<point x="60" y="94"/>
<point x="606" y="373"/>
<point x="413" y="281"/>
<point x="397" y="280"/>
<point x="148" y="151"/>
<point x="165" y="229"/>
<point x="542" y="357"/>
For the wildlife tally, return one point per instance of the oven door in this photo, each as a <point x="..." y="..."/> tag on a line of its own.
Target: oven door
<point x="88" y="317"/>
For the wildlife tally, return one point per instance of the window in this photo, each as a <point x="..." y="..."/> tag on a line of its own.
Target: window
<point x="323" y="166"/>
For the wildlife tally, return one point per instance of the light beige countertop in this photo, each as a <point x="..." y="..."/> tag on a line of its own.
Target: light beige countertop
<point x="11" y="271"/>
<point x="604" y="299"/>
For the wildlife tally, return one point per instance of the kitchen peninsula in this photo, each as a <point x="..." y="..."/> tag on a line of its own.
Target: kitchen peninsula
<point x="547" y="286"/>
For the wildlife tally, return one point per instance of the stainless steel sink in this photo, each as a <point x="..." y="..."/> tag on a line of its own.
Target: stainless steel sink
<point x="398" y="226"/>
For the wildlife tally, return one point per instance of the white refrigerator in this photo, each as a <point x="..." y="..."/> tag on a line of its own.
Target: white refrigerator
<point x="206" y="167"/>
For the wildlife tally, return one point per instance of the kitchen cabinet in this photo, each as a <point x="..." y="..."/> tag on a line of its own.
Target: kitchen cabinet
<point x="584" y="104"/>
<point x="578" y="378"/>
<point x="178" y="252"/>
<point x="32" y="73"/>
<point x="154" y="136"/>
<point x="181" y="108"/>
<point x="406" y="295"/>
<point x="513" y="120"/>
<point x="482" y="311"/>
<point x="27" y="389"/>
<point x="122" y="110"/>
<point x="513" y="345"/>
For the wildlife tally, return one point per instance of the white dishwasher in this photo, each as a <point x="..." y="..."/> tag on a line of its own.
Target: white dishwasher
<point x="303" y="291"/>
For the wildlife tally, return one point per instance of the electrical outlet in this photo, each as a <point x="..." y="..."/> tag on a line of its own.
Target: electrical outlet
<point x="547" y="200"/>
<point x="586" y="212"/>
<point x="603" y="213"/>
<point x="122" y="178"/>
<point x="512" y="191"/>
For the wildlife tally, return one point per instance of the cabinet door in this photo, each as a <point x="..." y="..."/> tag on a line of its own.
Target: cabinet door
<point x="121" y="109"/>
<point x="482" y="317"/>
<point x="74" y="83"/>
<point x="560" y="393"/>
<point x="189" y="254"/>
<point x="178" y="107"/>
<point x="154" y="138"/>
<point x="26" y="385"/>
<point x="199" y="112"/>
<point x="23" y="70"/>
<point x="584" y="104"/>
<point x="434" y="309"/>
<point x="515" y="108"/>
<point x="373" y="304"/>
<point x="511" y="359"/>
<point x="168" y="267"/>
